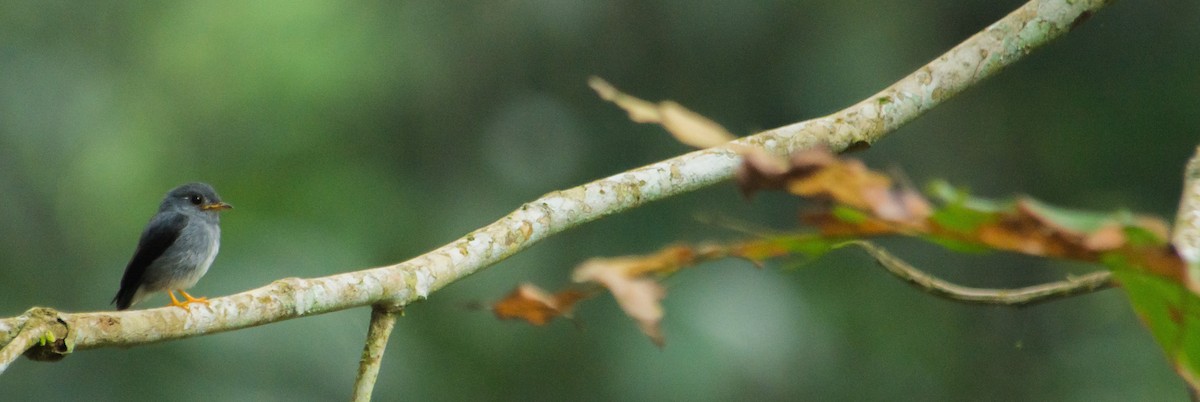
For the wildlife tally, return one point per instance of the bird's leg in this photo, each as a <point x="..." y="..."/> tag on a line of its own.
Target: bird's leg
<point x="175" y="302"/>
<point x="189" y="299"/>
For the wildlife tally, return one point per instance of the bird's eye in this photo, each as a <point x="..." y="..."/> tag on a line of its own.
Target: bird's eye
<point x="194" y="199"/>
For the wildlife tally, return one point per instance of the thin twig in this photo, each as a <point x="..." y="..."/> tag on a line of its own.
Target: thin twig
<point x="383" y="319"/>
<point x="1020" y="297"/>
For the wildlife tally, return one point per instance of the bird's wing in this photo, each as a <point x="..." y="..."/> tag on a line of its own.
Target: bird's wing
<point x="159" y="235"/>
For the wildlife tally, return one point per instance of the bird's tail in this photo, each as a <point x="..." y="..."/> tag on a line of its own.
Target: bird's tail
<point x="124" y="297"/>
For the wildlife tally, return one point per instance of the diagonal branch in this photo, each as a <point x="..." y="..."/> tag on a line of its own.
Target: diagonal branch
<point x="987" y="52"/>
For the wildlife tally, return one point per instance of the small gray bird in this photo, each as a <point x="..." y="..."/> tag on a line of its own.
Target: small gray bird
<point x="177" y="247"/>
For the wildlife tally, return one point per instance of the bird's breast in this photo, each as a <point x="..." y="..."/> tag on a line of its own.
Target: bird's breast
<point x="189" y="257"/>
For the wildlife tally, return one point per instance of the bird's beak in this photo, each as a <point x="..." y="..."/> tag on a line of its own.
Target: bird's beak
<point x="215" y="206"/>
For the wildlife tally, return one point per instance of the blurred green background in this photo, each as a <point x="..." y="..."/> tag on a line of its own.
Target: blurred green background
<point x="357" y="134"/>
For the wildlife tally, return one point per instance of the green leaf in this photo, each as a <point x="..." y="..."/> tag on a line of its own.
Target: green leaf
<point x="1074" y="219"/>
<point x="959" y="218"/>
<point x="808" y="246"/>
<point x="960" y="212"/>
<point x="1169" y="310"/>
<point x="1139" y="236"/>
<point x="811" y="246"/>
<point x="849" y="215"/>
<point x="945" y="192"/>
<point x="950" y="195"/>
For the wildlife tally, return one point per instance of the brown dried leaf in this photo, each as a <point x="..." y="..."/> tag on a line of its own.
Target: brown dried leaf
<point x="761" y="171"/>
<point x="916" y="206"/>
<point x="1026" y="234"/>
<point x="1161" y="261"/>
<point x="818" y="173"/>
<point x="759" y="251"/>
<point x="534" y="305"/>
<point x="639" y="297"/>
<point x="809" y="160"/>
<point x="1109" y="237"/>
<point x="685" y="125"/>
<point x="848" y="182"/>
<point x="626" y="278"/>
<point x="832" y="226"/>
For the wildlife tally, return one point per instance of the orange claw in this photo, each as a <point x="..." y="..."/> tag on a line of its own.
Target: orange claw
<point x="188" y="299"/>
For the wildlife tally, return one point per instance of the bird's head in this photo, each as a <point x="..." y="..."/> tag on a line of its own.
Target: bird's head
<point x="196" y="196"/>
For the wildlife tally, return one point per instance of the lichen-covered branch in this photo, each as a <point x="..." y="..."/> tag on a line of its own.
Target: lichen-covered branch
<point x="37" y="327"/>
<point x="1186" y="234"/>
<point x="21" y="340"/>
<point x="999" y="45"/>
<point x="383" y="318"/>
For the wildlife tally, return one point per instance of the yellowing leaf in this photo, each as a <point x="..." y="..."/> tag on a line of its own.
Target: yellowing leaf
<point x="685" y="125"/>
<point x="640" y="111"/>
<point x="691" y="128"/>
<point x="808" y="246"/>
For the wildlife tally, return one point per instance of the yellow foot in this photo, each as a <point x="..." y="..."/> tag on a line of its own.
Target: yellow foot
<point x="188" y="299"/>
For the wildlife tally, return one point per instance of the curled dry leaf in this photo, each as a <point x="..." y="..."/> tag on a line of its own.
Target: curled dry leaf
<point x="629" y="281"/>
<point x="760" y="171"/>
<point x="1109" y="237"/>
<point x="685" y="125"/>
<point x="848" y="182"/>
<point x="817" y="173"/>
<point x="632" y="280"/>
<point x="536" y="306"/>
<point x="838" y="225"/>
<point x="638" y="296"/>
<point x="1024" y="233"/>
